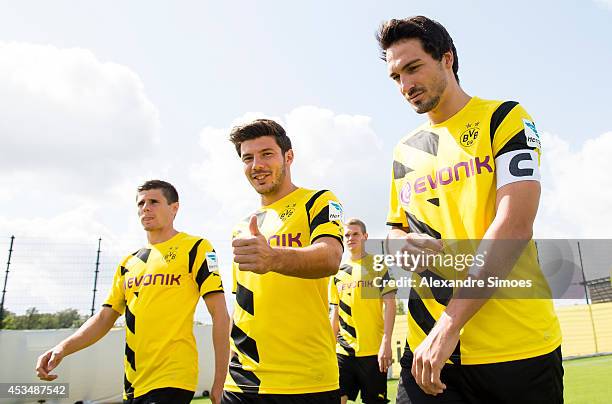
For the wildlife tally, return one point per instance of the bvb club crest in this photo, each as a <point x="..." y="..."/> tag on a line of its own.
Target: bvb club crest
<point x="288" y="212"/>
<point x="171" y="254"/>
<point x="469" y="136"/>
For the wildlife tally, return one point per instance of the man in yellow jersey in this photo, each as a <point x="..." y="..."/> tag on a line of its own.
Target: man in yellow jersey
<point x="470" y="172"/>
<point x="158" y="288"/>
<point x="281" y="340"/>
<point x="357" y="294"/>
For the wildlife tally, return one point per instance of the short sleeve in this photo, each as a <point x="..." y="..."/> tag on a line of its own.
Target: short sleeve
<point x="116" y="296"/>
<point x="334" y="298"/>
<point x="395" y="215"/>
<point x="516" y="144"/>
<point x="325" y="216"/>
<point x="206" y="269"/>
<point x="512" y="128"/>
<point x="386" y="282"/>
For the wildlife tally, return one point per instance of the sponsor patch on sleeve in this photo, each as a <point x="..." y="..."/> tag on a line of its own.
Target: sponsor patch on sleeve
<point x="531" y="134"/>
<point x="335" y="211"/>
<point x="211" y="261"/>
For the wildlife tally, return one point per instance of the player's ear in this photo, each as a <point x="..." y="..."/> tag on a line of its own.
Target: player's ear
<point x="448" y="60"/>
<point x="289" y="156"/>
<point x="175" y="207"/>
<point x="365" y="236"/>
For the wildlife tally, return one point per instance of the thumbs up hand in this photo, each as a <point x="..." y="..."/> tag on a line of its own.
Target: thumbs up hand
<point x="253" y="228"/>
<point x="253" y="253"/>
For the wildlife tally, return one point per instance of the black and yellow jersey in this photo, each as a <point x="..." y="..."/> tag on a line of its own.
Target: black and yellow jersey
<point x="281" y="338"/>
<point x="444" y="183"/>
<point x="158" y="288"/>
<point x="358" y="289"/>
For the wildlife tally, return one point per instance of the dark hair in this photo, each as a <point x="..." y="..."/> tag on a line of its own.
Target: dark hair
<point x="433" y="36"/>
<point x="167" y="189"/>
<point x="259" y="128"/>
<point x="357" y="222"/>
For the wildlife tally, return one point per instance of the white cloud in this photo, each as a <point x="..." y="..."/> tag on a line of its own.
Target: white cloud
<point x="604" y="3"/>
<point x="69" y="119"/>
<point x="577" y="188"/>
<point x="332" y="151"/>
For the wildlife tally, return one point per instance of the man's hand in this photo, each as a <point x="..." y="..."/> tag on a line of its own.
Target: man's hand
<point x="47" y="362"/>
<point x="253" y="253"/>
<point x="431" y="355"/>
<point x="215" y="394"/>
<point x="384" y="356"/>
<point x="413" y="248"/>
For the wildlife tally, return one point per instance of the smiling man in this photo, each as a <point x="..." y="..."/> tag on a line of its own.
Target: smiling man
<point x="470" y="172"/>
<point x="158" y="288"/>
<point x="284" y="253"/>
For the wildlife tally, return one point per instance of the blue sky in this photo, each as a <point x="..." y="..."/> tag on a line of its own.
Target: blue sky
<point x="205" y="62"/>
<point x="100" y="96"/>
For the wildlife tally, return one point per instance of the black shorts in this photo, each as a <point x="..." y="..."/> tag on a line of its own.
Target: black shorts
<point x="326" y="397"/>
<point x="362" y="373"/>
<point x="166" y="395"/>
<point x="535" y="380"/>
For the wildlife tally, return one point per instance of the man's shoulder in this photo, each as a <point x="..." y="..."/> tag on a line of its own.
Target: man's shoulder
<point x="192" y="240"/>
<point x="492" y="107"/>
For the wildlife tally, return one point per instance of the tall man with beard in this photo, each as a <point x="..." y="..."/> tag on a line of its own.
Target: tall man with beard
<point x="470" y="172"/>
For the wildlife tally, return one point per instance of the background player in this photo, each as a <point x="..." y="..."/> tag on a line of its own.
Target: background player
<point x="362" y="328"/>
<point x="470" y="172"/>
<point x="282" y="342"/>
<point x="158" y="288"/>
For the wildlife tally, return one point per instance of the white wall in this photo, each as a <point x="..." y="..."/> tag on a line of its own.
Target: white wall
<point x="95" y="374"/>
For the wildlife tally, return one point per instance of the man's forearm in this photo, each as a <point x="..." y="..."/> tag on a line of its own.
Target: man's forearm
<point x="389" y="317"/>
<point x="220" y="336"/>
<point x="503" y="245"/>
<point x="335" y="320"/>
<point x="315" y="261"/>
<point x="91" y="331"/>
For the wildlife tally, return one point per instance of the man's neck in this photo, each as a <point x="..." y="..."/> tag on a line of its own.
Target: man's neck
<point x="159" y="236"/>
<point x="451" y="102"/>
<point x="283" y="191"/>
<point x="357" y="255"/>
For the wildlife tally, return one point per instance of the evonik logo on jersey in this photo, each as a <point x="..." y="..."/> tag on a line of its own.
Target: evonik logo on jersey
<point x="447" y="175"/>
<point x="285" y="240"/>
<point x="150" y="279"/>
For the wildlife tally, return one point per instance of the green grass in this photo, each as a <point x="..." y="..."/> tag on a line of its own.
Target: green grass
<point x="587" y="380"/>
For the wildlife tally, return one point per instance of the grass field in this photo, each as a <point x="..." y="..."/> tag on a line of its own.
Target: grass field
<point x="587" y="381"/>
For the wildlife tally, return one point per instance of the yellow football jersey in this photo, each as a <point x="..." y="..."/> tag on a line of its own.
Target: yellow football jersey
<point x="281" y="339"/>
<point x="158" y="288"/>
<point x="444" y="183"/>
<point x="358" y="289"/>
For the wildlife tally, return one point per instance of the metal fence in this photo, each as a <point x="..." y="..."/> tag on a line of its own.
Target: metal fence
<point x="53" y="275"/>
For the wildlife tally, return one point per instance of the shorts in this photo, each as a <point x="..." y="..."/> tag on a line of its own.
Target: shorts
<point x="362" y="373"/>
<point x="534" y="380"/>
<point x="326" y="397"/>
<point x="166" y="395"/>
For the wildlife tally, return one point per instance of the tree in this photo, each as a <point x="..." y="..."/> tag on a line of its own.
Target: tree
<point x="33" y="320"/>
<point x="399" y="308"/>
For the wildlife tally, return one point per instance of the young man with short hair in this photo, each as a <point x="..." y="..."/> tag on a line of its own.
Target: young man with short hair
<point x="158" y="288"/>
<point x="470" y="172"/>
<point x="363" y="314"/>
<point x="281" y="340"/>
